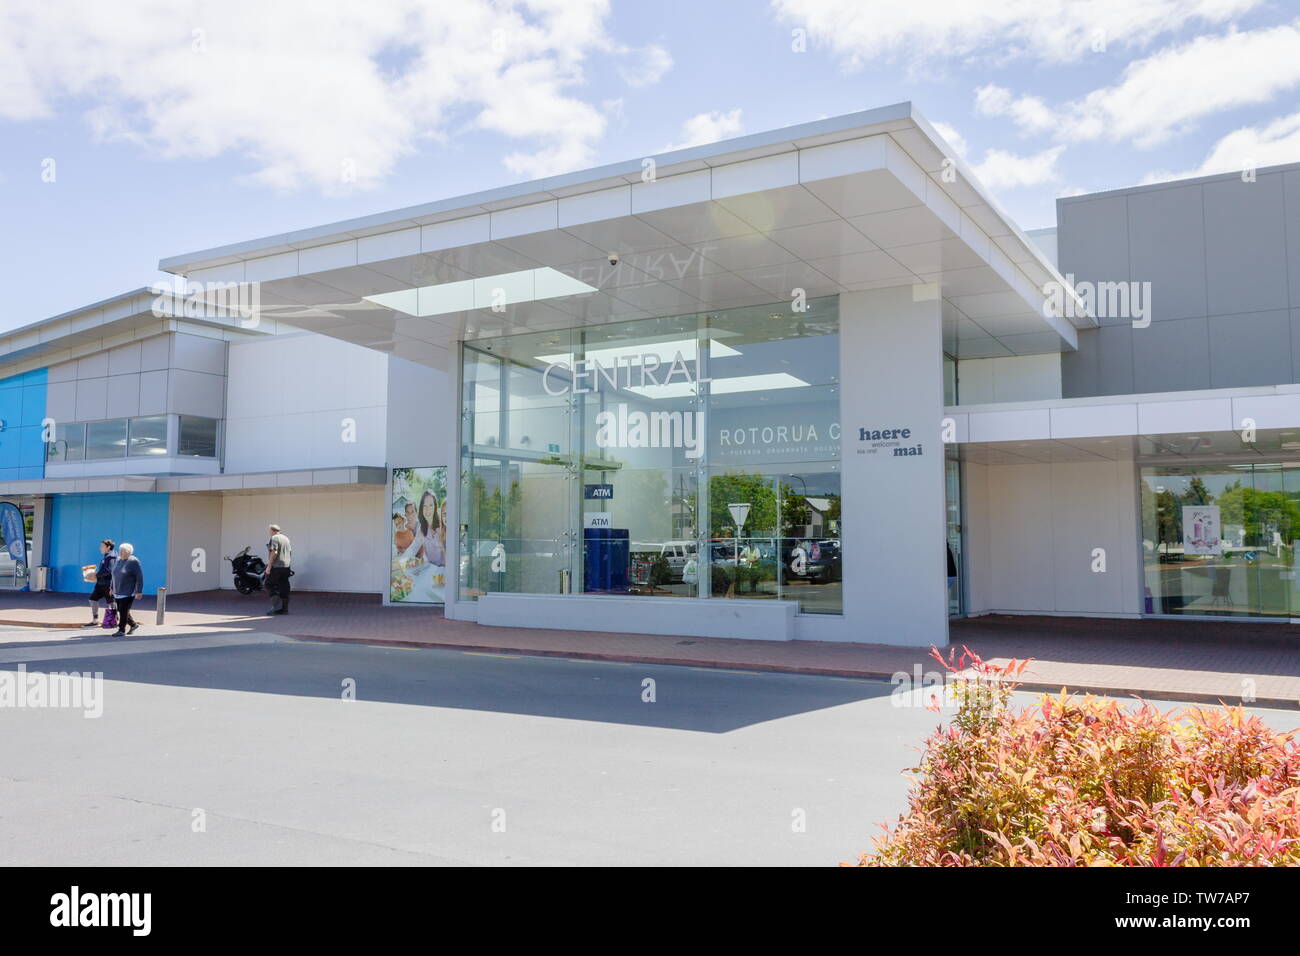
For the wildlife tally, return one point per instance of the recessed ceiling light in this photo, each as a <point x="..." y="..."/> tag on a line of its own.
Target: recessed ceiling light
<point x="722" y="386"/>
<point x="509" y="288"/>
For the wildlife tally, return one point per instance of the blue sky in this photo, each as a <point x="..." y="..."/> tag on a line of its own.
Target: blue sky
<point x="179" y="126"/>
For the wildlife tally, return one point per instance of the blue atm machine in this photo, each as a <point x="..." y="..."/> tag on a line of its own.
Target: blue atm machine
<point x="605" y="559"/>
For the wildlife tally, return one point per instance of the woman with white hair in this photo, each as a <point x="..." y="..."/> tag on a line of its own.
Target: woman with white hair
<point x="128" y="585"/>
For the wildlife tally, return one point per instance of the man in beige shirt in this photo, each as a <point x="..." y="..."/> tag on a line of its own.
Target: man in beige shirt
<point x="279" y="557"/>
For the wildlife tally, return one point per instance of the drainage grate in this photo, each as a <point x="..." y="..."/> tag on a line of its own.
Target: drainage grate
<point x="685" y="642"/>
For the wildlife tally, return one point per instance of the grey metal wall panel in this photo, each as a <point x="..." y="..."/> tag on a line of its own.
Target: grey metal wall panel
<point x="124" y="360"/>
<point x="1093" y="241"/>
<point x="61" y="401"/>
<point x="1115" y="360"/>
<point x="1291" y="198"/>
<point x="1168" y="356"/>
<point x="1295" y="345"/>
<point x="1223" y="258"/>
<point x="1245" y="246"/>
<point x="1253" y="348"/>
<point x="153" y="392"/>
<point x="92" y="399"/>
<point x="1166" y="241"/>
<point x="123" y="396"/>
<point x="155" y="353"/>
<point x="1079" y="368"/>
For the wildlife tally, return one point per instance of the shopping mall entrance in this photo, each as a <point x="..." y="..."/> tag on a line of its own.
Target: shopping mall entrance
<point x="684" y="457"/>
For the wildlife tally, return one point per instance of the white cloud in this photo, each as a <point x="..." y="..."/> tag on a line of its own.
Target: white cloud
<point x="1168" y="92"/>
<point x="1029" y="112"/>
<point x="1003" y="170"/>
<point x="860" y="31"/>
<point x="1250" y="147"/>
<point x="1270" y="145"/>
<point x="645" y="66"/>
<point x="304" y="91"/>
<point x="952" y="137"/>
<point x="707" y="128"/>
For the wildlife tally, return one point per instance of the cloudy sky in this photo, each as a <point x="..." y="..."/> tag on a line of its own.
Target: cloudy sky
<point x="139" y="129"/>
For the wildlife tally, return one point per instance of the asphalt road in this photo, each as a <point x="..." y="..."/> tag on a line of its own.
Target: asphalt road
<point x="444" y="757"/>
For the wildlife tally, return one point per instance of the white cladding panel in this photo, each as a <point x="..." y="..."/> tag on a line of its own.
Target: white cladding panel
<point x="338" y="536"/>
<point x="194" y="524"/>
<point x="1033" y="533"/>
<point x="305" y="401"/>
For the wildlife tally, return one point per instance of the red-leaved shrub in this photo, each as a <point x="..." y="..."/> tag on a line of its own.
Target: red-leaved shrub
<point x="1089" y="782"/>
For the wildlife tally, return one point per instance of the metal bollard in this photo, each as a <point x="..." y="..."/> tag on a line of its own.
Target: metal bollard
<point x="162" y="605"/>
<point x="564" y="581"/>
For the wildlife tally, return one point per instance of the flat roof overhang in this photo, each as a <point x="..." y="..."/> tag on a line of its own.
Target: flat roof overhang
<point x="865" y="201"/>
<point x="354" y="477"/>
<point x="1228" y="426"/>
<point x="129" y="317"/>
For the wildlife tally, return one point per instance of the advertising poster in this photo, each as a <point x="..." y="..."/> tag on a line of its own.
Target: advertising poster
<point x="1201" y="530"/>
<point x="418" y="535"/>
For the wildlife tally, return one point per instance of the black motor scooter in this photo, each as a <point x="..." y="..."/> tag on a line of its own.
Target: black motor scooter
<point x="248" y="570"/>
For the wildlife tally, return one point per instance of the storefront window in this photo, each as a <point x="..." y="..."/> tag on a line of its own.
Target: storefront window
<point x="1221" y="540"/>
<point x="197" y="437"/>
<point x="148" y="435"/>
<point x="69" y="443"/>
<point x="952" y="502"/>
<point x="106" y="439"/>
<point x="683" y="456"/>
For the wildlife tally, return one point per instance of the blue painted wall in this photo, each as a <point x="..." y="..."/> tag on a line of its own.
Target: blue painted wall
<point x="22" y="408"/>
<point x="79" y="522"/>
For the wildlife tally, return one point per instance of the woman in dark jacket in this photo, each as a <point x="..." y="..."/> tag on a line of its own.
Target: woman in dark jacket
<point x="103" y="582"/>
<point x="128" y="584"/>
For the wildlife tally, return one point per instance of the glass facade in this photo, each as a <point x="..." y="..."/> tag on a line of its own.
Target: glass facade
<point x="146" y="435"/>
<point x="678" y="457"/>
<point x="952" y="526"/>
<point x="1221" y="539"/>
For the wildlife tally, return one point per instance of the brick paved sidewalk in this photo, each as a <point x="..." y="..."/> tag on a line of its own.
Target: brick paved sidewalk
<point x="1177" y="660"/>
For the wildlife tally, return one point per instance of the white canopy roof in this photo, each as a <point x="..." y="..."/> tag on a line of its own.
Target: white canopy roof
<point x="864" y="201"/>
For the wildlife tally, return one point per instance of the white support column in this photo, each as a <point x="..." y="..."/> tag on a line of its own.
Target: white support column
<point x="42" y="508"/>
<point x="891" y="369"/>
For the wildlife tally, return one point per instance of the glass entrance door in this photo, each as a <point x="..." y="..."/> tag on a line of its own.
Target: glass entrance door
<point x="952" y="497"/>
<point x="519" y="476"/>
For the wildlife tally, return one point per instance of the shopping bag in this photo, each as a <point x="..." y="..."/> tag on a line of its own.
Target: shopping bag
<point x="110" y="619"/>
<point x="88" y="573"/>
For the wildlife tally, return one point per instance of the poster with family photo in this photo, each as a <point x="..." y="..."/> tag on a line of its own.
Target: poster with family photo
<point x="418" y="535"/>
